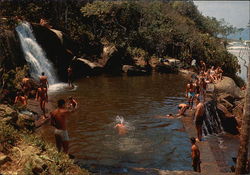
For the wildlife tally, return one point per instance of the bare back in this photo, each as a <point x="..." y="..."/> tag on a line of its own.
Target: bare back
<point x="200" y="110"/>
<point x="195" y="152"/>
<point x="44" y="80"/>
<point x="60" y="115"/>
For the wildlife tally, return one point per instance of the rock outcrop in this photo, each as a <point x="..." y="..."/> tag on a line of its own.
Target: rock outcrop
<point x="20" y="120"/>
<point x="83" y="67"/>
<point x="11" y="55"/>
<point x="59" y="49"/>
<point x="134" y="71"/>
<point x="227" y="85"/>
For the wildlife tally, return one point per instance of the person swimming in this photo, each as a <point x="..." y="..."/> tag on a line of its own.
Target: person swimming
<point x="121" y="128"/>
<point x="72" y="103"/>
<point x="182" y="109"/>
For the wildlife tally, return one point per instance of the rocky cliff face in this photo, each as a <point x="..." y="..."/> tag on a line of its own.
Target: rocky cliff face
<point x="56" y="47"/>
<point x="11" y="54"/>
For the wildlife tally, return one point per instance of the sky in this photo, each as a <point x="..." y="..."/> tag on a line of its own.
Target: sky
<point x="236" y="13"/>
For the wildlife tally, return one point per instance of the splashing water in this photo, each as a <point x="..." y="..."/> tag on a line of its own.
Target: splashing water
<point x="119" y="119"/>
<point x="34" y="54"/>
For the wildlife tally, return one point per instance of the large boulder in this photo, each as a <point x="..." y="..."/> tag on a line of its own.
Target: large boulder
<point x="59" y="49"/>
<point x="134" y="71"/>
<point x="26" y="121"/>
<point x="83" y="67"/>
<point x="227" y="85"/>
<point x="11" y="55"/>
<point x="166" y="68"/>
<point x="7" y="114"/>
<point x="116" y="60"/>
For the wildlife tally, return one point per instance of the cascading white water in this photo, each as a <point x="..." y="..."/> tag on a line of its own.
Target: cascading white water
<point x="34" y="54"/>
<point x="212" y="123"/>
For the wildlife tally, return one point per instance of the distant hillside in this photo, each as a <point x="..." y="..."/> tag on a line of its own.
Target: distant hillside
<point x="244" y="35"/>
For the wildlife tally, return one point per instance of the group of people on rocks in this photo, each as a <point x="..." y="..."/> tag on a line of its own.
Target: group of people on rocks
<point x="58" y="116"/>
<point x="196" y="90"/>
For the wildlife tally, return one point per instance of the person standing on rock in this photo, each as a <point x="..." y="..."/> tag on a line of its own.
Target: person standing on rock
<point x="190" y="93"/>
<point x="43" y="97"/>
<point x="195" y="154"/>
<point x="70" y="76"/>
<point x="199" y="117"/>
<point x="44" y="80"/>
<point x="58" y="120"/>
<point x="26" y="85"/>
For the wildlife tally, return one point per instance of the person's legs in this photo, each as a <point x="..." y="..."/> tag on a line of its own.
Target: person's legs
<point x="192" y="102"/>
<point x="43" y="106"/>
<point x="199" y="131"/>
<point x="58" y="142"/>
<point x="199" y="166"/>
<point x="194" y="165"/>
<point x="65" y="145"/>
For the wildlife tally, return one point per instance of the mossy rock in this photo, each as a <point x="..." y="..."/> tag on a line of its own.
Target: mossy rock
<point x="8" y="114"/>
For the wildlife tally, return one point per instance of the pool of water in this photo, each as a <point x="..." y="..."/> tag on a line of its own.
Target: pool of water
<point x="150" y="141"/>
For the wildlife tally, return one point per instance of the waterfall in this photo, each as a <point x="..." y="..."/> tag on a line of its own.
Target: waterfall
<point x="34" y="54"/>
<point x="212" y="123"/>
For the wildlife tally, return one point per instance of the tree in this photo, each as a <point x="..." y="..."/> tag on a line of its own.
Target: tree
<point x="245" y="129"/>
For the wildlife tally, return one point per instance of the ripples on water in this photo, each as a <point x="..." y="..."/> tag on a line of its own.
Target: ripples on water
<point x="150" y="142"/>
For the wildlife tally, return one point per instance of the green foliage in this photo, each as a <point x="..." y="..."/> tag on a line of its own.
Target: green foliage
<point x="137" y="52"/>
<point x="8" y="134"/>
<point x="55" y="163"/>
<point x="174" y="29"/>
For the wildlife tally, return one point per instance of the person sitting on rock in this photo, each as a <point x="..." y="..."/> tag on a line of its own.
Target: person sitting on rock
<point x="20" y="99"/>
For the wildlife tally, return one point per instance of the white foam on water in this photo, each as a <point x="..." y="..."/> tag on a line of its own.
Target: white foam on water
<point x="58" y="87"/>
<point x="34" y="54"/>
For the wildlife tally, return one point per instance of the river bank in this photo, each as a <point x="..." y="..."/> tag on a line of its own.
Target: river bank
<point x="24" y="152"/>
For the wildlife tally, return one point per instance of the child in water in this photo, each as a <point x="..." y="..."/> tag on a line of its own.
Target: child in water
<point x="121" y="128"/>
<point x="72" y="103"/>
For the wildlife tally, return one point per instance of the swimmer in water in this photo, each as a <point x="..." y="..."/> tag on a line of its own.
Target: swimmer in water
<point x="170" y="116"/>
<point x="72" y="103"/>
<point x="182" y="109"/>
<point x="121" y="128"/>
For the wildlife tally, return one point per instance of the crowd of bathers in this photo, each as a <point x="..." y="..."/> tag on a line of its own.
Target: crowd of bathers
<point x="41" y="93"/>
<point x="198" y="85"/>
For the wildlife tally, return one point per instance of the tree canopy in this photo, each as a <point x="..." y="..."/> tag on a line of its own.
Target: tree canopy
<point x="173" y="29"/>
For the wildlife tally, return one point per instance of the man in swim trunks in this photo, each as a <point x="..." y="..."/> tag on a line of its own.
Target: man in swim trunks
<point x="199" y="117"/>
<point x="195" y="154"/>
<point x="58" y="120"/>
<point x="182" y="109"/>
<point x="190" y="93"/>
<point x="43" y="97"/>
<point x="44" y="80"/>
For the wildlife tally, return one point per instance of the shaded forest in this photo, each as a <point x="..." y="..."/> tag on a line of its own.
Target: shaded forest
<point x="146" y="28"/>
